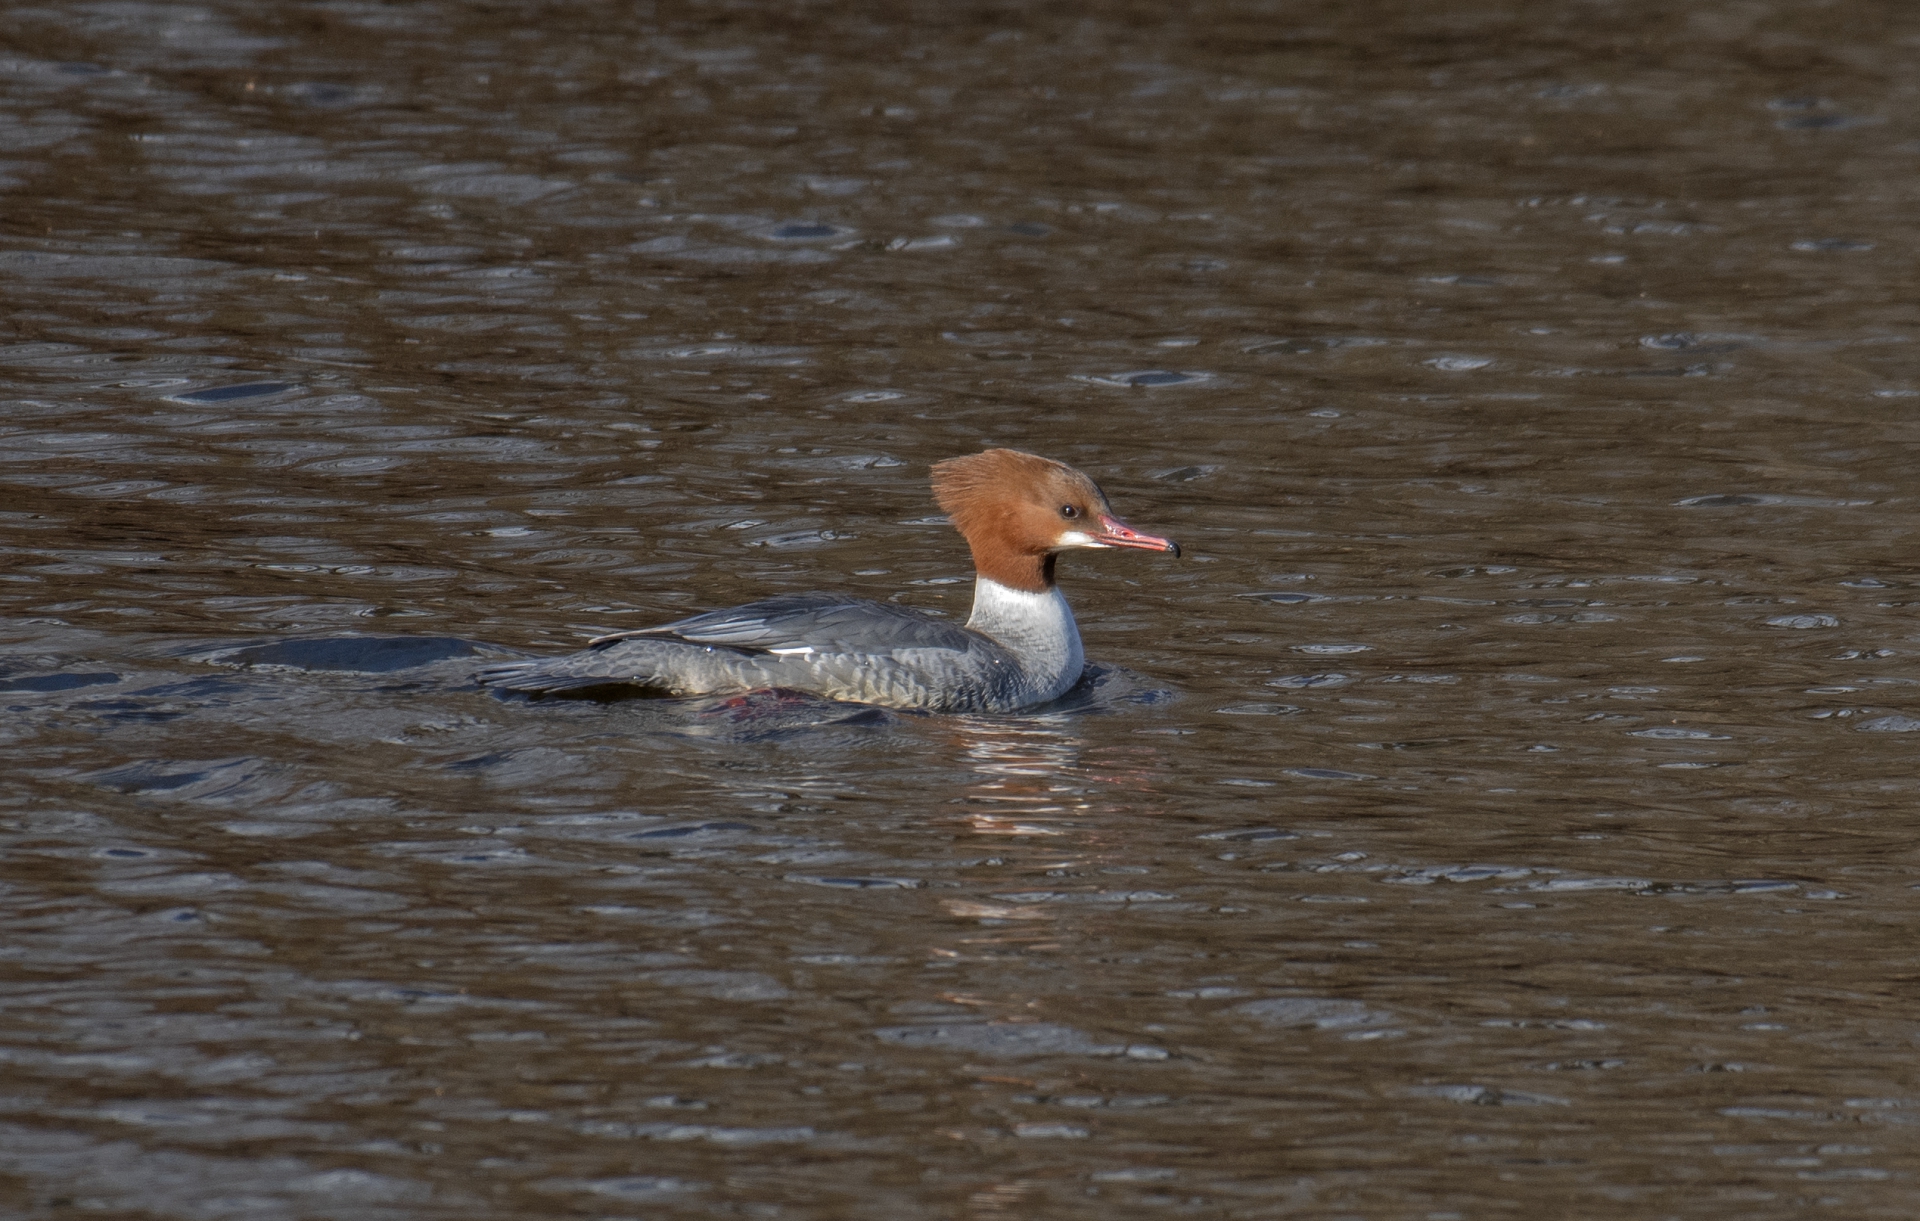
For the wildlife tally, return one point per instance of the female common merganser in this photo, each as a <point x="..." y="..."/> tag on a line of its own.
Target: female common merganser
<point x="1018" y="649"/>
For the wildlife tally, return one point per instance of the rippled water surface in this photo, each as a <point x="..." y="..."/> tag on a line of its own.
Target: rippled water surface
<point x="1506" y="809"/>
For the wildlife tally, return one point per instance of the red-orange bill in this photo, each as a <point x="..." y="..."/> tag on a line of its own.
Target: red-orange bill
<point x="1116" y="533"/>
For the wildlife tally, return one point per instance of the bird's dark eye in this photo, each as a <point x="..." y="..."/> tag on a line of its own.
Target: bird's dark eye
<point x="1069" y="511"/>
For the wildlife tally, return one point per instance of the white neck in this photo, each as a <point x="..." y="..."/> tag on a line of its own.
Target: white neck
<point x="1038" y="628"/>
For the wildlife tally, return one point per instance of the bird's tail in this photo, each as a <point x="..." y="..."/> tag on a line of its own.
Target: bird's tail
<point x="547" y="678"/>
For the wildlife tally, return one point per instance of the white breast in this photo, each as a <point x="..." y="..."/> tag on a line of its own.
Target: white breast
<point x="1038" y="629"/>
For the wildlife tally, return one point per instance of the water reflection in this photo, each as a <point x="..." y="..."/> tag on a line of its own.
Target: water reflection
<point x="1022" y="775"/>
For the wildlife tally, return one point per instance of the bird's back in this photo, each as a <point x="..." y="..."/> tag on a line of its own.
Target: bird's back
<point x="844" y="648"/>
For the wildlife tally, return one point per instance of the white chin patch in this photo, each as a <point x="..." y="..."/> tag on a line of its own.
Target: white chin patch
<point x="1074" y="538"/>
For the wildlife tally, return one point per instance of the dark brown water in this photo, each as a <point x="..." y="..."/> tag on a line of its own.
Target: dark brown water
<point x="1505" y="811"/>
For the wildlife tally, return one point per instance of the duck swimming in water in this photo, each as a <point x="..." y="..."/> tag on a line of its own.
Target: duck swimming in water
<point x="1018" y="649"/>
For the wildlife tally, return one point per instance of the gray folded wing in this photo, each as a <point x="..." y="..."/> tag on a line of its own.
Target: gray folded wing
<point x="795" y="624"/>
<point x="810" y="641"/>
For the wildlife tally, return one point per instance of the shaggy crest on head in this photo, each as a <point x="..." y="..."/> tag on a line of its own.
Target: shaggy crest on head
<point x="1018" y="510"/>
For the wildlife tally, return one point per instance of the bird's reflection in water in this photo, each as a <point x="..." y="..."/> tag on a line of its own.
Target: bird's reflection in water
<point x="1033" y="778"/>
<point x="1025" y="791"/>
<point x="1025" y="780"/>
<point x="1032" y="789"/>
